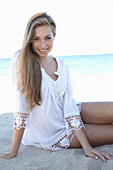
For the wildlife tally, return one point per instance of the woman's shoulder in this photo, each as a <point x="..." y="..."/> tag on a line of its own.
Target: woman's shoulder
<point x="15" y="57"/>
<point x="17" y="54"/>
<point x="63" y="64"/>
<point x="60" y="61"/>
<point x="14" y="62"/>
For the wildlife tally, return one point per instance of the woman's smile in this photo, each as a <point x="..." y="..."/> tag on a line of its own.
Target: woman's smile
<point x="43" y="40"/>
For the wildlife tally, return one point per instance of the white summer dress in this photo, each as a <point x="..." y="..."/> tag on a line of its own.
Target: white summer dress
<point x="50" y="125"/>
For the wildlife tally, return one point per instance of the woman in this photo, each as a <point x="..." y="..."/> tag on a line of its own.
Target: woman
<point x="46" y="114"/>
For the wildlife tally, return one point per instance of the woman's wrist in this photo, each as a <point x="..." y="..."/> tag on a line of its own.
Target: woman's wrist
<point x="13" y="152"/>
<point x="8" y="155"/>
<point x="12" y="155"/>
<point x="87" y="148"/>
<point x="83" y="139"/>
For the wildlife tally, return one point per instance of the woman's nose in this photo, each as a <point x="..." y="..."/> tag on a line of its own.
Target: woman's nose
<point x="42" y="44"/>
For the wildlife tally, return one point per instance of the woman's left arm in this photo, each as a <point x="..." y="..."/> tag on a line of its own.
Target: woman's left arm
<point x="89" y="151"/>
<point x="73" y="120"/>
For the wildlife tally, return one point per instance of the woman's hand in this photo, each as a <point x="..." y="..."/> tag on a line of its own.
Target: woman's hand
<point x="96" y="154"/>
<point x="17" y="136"/>
<point x="7" y="156"/>
<point x="89" y="151"/>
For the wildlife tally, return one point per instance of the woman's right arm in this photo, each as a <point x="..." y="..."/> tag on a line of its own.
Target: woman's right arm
<point x="17" y="137"/>
<point x="21" y="113"/>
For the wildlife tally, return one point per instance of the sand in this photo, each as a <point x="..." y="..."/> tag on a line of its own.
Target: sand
<point x="32" y="158"/>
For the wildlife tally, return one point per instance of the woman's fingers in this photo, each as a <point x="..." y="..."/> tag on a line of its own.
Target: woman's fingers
<point x="103" y="155"/>
<point x="96" y="154"/>
<point x="107" y="155"/>
<point x="6" y="156"/>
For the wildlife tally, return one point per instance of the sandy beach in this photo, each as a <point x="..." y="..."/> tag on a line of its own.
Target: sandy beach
<point x="32" y="158"/>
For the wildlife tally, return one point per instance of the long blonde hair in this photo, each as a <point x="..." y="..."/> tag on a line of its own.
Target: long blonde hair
<point x="30" y="76"/>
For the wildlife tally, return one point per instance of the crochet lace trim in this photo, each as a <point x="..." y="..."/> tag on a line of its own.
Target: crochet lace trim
<point x="63" y="143"/>
<point x="74" y="122"/>
<point x="20" y="120"/>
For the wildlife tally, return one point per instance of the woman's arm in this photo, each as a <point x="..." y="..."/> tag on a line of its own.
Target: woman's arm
<point x="89" y="151"/>
<point x="21" y="119"/>
<point x="17" y="137"/>
<point x="73" y="119"/>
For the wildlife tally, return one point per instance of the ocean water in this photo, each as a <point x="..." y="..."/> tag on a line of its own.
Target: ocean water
<point x="90" y="64"/>
<point x="78" y="64"/>
<point x="92" y="78"/>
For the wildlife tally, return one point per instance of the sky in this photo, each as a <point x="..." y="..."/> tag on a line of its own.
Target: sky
<point x="83" y="26"/>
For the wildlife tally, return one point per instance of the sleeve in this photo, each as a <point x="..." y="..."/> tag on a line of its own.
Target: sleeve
<point x="72" y="108"/>
<point x="21" y="113"/>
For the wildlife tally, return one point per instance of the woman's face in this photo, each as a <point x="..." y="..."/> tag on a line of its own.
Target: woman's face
<point x="43" y="40"/>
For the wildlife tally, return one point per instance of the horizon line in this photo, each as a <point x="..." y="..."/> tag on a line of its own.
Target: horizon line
<point x="76" y="54"/>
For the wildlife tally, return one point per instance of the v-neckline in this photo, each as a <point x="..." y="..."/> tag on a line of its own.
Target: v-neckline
<point x="56" y="72"/>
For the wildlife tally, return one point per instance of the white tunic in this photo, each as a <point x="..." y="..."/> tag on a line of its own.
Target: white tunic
<point x="50" y="125"/>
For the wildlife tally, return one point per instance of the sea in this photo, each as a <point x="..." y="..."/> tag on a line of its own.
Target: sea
<point x="92" y="78"/>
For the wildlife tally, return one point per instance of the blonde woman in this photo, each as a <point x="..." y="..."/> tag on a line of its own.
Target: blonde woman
<point x="46" y="115"/>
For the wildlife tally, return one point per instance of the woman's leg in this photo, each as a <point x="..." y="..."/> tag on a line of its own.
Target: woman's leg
<point x="97" y="112"/>
<point x="97" y="135"/>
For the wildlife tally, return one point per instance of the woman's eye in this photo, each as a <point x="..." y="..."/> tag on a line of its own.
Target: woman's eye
<point x="35" y="39"/>
<point x="48" y="38"/>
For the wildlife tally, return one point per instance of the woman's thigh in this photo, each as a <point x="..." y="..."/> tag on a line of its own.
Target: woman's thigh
<point x="97" y="112"/>
<point x="97" y="135"/>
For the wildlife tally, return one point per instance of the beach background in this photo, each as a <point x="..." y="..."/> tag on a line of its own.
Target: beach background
<point x="92" y="77"/>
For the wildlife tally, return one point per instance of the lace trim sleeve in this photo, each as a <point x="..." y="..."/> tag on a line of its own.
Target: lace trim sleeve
<point x="74" y="122"/>
<point x="20" y="120"/>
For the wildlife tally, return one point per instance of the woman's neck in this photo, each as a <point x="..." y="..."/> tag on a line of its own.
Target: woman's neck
<point x="45" y="61"/>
